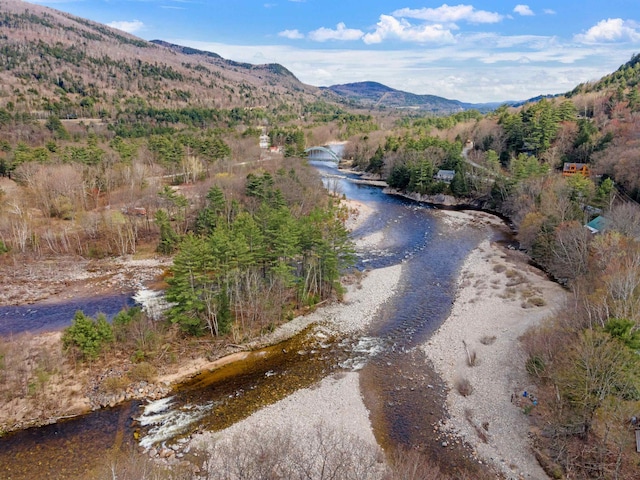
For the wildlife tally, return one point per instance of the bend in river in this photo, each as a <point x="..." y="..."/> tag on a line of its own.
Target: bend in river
<point x="432" y="254"/>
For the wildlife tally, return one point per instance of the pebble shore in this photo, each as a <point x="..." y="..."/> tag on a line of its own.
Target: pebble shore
<point x="499" y="297"/>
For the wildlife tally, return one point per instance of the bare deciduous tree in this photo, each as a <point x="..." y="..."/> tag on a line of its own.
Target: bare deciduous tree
<point x="625" y="218"/>
<point x="323" y="454"/>
<point x="570" y="251"/>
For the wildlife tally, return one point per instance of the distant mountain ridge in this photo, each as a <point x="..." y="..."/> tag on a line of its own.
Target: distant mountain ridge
<point x="57" y="62"/>
<point x="53" y="61"/>
<point x="274" y="68"/>
<point x="374" y="94"/>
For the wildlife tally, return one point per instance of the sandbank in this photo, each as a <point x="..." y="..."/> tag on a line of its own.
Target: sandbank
<point x="499" y="297"/>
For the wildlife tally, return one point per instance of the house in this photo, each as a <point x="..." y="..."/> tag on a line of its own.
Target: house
<point x="264" y="141"/>
<point x="135" y="211"/>
<point x="445" y="176"/>
<point x="597" y="225"/>
<point x="570" y="169"/>
<point x="592" y="211"/>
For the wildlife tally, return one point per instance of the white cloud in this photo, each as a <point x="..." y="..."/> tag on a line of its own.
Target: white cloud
<point x="474" y="69"/>
<point x="391" y="28"/>
<point x="549" y="11"/>
<point x="340" y="33"/>
<point x="610" y="30"/>
<point x="523" y="10"/>
<point x="291" y="34"/>
<point x="544" y="57"/>
<point x="127" y="26"/>
<point x="495" y="41"/>
<point x="446" y="13"/>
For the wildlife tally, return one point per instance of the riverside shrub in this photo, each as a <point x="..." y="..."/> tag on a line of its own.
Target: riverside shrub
<point x="88" y="335"/>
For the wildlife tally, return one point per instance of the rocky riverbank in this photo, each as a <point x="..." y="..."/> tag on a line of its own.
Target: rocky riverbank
<point x="95" y="387"/>
<point x="499" y="297"/>
<point x="478" y="354"/>
<point x="58" y="388"/>
<point x="26" y="280"/>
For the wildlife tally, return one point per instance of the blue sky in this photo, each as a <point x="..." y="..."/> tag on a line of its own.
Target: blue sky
<point x="475" y="52"/>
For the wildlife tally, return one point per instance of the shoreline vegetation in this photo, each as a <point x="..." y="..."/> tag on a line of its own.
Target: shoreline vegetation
<point x="117" y="153"/>
<point x="499" y="297"/>
<point x="68" y="397"/>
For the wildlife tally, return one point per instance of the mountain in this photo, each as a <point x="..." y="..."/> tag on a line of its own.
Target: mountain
<point x="274" y="68"/>
<point x="373" y="94"/>
<point x="625" y="77"/>
<point x="377" y="95"/>
<point x="54" y="61"/>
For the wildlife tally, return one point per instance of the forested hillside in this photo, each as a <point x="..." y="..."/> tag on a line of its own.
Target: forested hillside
<point x="552" y="166"/>
<point x="112" y="146"/>
<point x="95" y="122"/>
<point x="75" y="67"/>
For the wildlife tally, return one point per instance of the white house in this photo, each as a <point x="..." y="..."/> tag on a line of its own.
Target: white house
<point x="445" y="176"/>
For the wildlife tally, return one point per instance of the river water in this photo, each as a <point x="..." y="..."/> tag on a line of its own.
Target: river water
<point x="432" y="254"/>
<point x="49" y="315"/>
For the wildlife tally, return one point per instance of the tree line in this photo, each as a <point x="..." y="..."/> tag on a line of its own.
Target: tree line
<point x="247" y="267"/>
<point x="585" y="359"/>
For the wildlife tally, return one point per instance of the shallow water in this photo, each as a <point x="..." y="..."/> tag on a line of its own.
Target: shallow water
<point x="70" y="449"/>
<point x="432" y="254"/>
<point x="51" y="314"/>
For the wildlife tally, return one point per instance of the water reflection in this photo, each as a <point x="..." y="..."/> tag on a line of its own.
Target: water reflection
<point x="51" y="315"/>
<point x="411" y="235"/>
<point x="69" y="449"/>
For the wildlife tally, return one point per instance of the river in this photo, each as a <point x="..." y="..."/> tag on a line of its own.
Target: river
<point x="432" y="254"/>
<point x="49" y="315"/>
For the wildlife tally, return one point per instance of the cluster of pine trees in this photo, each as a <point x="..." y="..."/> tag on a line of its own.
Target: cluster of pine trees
<point x="244" y="268"/>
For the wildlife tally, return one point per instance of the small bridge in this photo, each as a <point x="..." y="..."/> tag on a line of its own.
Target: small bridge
<point x="325" y="152"/>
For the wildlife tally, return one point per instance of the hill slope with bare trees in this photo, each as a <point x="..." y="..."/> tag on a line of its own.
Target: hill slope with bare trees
<point x="60" y="63"/>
